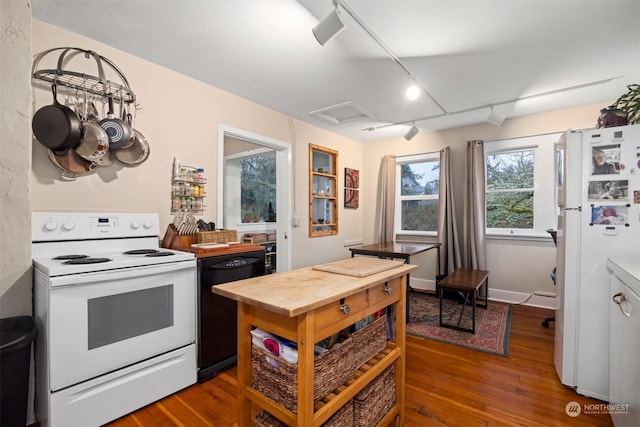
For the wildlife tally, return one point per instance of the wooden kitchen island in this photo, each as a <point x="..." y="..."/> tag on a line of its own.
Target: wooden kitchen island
<point x="305" y="306"/>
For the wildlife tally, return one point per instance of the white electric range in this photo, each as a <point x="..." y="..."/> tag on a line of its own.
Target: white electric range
<point x="115" y="316"/>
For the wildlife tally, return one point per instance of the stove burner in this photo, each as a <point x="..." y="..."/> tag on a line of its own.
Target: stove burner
<point x="63" y="257"/>
<point x="87" y="261"/>
<point x="140" y="252"/>
<point x="157" y="253"/>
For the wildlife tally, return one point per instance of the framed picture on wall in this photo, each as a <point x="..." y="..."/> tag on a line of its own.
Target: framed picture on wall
<point x="351" y="198"/>
<point x="351" y="178"/>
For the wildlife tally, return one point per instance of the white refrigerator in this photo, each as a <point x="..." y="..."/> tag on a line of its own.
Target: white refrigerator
<point x="598" y="217"/>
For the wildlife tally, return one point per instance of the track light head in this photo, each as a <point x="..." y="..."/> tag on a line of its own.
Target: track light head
<point x="411" y="133"/>
<point x="329" y="27"/>
<point x="495" y="118"/>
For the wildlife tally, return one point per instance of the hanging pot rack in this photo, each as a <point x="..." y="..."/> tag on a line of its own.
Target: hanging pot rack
<point x="82" y="82"/>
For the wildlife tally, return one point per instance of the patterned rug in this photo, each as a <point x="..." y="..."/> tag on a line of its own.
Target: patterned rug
<point x="492" y="324"/>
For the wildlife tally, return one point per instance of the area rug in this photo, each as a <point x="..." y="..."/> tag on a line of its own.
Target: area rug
<point x="492" y="324"/>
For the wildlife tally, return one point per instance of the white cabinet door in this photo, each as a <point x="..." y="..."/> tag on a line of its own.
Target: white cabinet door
<point x="624" y="360"/>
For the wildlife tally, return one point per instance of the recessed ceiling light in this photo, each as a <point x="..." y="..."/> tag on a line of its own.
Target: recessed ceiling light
<point x="413" y="92"/>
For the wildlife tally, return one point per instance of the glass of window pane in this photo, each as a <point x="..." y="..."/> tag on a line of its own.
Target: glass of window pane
<point x="510" y="209"/>
<point x="420" y="178"/>
<point x="509" y="197"/>
<point x="420" y="215"/>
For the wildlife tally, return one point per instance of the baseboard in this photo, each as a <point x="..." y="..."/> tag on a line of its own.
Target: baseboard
<point x="499" y="295"/>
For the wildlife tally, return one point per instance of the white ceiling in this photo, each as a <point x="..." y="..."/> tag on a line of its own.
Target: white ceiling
<point x="466" y="54"/>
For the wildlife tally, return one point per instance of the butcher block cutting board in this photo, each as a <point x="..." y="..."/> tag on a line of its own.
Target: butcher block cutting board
<point x="359" y="266"/>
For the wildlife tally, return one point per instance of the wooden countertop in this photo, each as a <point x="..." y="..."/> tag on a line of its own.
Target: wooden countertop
<point x="232" y="249"/>
<point x="291" y="293"/>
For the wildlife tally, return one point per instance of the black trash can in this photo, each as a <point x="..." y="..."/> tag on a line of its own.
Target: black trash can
<point x="16" y="336"/>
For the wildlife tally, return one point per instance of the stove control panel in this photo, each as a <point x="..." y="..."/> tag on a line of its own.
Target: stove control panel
<point x="52" y="226"/>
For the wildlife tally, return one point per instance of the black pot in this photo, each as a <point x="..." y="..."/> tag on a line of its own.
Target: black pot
<point x="57" y="126"/>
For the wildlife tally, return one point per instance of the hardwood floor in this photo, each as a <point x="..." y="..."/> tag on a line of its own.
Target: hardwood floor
<point x="446" y="385"/>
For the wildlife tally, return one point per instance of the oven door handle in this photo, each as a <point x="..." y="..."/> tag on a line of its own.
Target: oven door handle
<point x="119" y="274"/>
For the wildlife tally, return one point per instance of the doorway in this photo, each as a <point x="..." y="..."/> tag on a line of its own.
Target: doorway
<point x="238" y="146"/>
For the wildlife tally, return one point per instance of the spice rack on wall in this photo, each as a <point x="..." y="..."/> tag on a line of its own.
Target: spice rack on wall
<point x="187" y="190"/>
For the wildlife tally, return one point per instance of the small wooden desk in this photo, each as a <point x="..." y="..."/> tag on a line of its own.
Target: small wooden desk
<point x="399" y="250"/>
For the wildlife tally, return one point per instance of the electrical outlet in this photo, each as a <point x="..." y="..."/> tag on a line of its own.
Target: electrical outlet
<point x="295" y="221"/>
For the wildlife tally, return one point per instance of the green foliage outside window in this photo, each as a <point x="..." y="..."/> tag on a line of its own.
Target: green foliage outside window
<point x="419" y="195"/>
<point x="257" y="187"/>
<point x="509" y="199"/>
<point x="420" y="215"/>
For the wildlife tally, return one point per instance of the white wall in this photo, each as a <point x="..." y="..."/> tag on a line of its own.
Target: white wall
<point x="15" y="159"/>
<point x="517" y="267"/>
<point x="15" y="164"/>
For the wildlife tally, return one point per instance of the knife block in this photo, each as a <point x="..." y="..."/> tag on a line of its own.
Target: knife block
<point x="172" y="240"/>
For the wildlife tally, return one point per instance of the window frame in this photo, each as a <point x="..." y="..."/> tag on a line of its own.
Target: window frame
<point x="397" y="221"/>
<point x="544" y="184"/>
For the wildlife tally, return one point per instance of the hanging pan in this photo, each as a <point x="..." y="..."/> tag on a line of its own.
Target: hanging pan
<point x="118" y="131"/>
<point x="70" y="163"/>
<point x="135" y="154"/>
<point x="138" y="152"/>
<point x="56" y="126"/>
<point x="94" y="144"/>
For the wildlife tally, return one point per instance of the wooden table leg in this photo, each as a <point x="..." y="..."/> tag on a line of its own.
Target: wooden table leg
<point x="244" y="367"/>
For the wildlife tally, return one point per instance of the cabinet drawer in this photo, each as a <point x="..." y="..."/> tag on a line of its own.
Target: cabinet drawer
<point x="386" y="293"/>
<point x="350" y="308"/>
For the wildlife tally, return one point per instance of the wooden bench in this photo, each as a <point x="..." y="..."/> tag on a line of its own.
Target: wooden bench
<point x="466" y="282"/>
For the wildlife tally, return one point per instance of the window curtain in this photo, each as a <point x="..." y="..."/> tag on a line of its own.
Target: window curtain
<point x="473" y="226"/>
<point x="447" y="229"/>
<point x="386" y="199"/>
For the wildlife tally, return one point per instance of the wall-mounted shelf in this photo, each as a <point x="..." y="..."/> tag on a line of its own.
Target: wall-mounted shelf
<point x="323" y="191"/>
<point x="187" y="190"/>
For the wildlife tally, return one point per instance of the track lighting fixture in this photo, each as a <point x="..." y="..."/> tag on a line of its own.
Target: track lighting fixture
<point x="412" y="132"/>
<point x="330" y="26"/>
<point x="495" y="118"/>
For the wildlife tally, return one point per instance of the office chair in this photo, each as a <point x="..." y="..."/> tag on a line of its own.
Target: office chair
<point x="554" y="233"/>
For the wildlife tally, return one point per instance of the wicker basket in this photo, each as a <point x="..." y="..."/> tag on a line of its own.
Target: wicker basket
<point x="254" y="238"/>
<point x="375" y="400"/>
<point x="342" y="418"/>
<point x="369" y="341"/>
<point x="218" y="236"/>
<point x="331" y="369"/>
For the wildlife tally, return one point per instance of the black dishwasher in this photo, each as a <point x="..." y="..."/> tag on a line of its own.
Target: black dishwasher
<point x="218" y="327"/>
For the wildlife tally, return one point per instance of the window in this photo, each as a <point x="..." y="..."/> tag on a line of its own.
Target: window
<point x="250" y="184"/>
<point x="510" y="190"/>
<point x="417" y="198"/>
<point x="520" y="185"/>
<point x="257" y="189"/>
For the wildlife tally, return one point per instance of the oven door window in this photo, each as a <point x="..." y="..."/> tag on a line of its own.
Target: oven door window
<point x="119" y="317"/>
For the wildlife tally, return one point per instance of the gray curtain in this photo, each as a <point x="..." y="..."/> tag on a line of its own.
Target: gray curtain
<point x="473" y="226"/>
<point x="385" y="209"/>
<point x="447" y="230"/>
